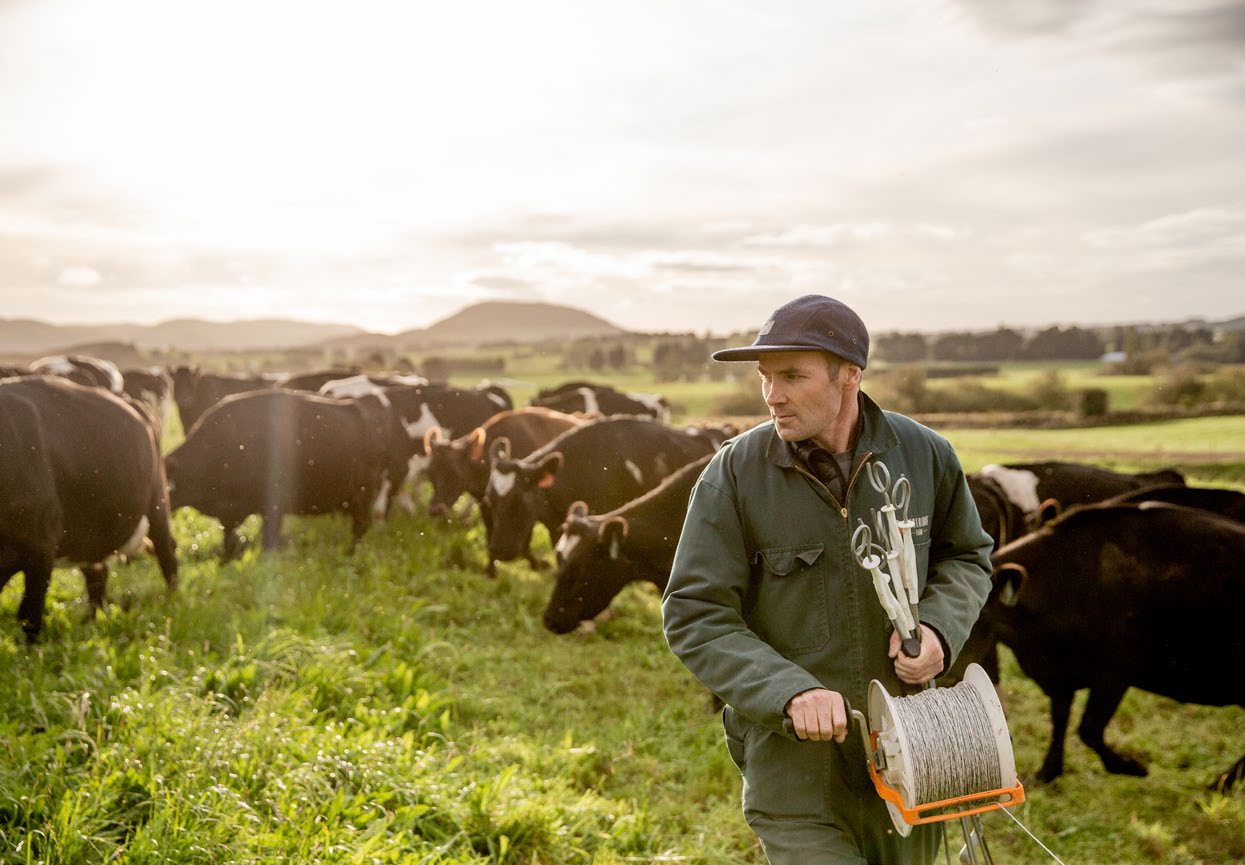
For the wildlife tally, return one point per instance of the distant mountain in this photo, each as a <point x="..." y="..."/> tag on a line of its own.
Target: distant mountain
<point x="25" y="336"/>
<point x="490" y="322"/>
<point x="500" y="321"/>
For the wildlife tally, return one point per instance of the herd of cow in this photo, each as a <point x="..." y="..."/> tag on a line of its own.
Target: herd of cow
<point x="1102" y="580"/>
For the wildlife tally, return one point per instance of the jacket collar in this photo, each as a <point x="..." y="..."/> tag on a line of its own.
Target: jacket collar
<point x="876" y="435"/>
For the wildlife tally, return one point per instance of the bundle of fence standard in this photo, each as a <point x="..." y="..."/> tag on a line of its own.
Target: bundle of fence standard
<point x="942" y="753"/>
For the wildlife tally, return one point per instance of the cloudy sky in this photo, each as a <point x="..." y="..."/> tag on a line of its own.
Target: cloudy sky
<point x="666" y="164"/>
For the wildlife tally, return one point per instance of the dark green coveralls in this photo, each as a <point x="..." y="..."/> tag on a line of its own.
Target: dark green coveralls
<point x="766" y="600"/>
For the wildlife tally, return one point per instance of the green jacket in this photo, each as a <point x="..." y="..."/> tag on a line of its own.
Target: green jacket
<point x="766" y="598"/>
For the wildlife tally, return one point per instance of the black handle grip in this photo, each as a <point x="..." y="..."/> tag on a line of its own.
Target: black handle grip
<point x="911" y="645"/>
<point x="788" y="725"/>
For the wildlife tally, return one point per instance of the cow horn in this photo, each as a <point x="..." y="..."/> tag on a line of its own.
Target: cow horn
<point x="475" y="443"/>
<point x="619" y="520"/>
<point x="432" y="437"/>
<point x="577" y="509"/>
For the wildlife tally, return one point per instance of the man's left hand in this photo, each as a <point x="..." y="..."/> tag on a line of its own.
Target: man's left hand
<point x="926" y="665"/>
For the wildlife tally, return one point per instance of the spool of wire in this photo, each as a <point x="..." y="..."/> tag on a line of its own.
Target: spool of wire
<point x="942" y="746"/>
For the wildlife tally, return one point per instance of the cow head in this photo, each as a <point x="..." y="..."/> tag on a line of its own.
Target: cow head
<point x="455" y="467"/>
<point x="515" y="496"/>
<point x="1007" y="582"/>
<point x="592" y="569"/>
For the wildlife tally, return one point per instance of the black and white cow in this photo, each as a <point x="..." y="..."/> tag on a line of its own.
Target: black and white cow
<point x="81" y="369"/>
<point x="80" y="479"/>
<point x="591" y="399"/>
<point x="605" y="464"/>
<point x="277" y="452"/>
<point x="453" y="411"/>
<point x="598" y="556"/>
<point x="1018" y="497"/>
<point x="1108" y="597"/>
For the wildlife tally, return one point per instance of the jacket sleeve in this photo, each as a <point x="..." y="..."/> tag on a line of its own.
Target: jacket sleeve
<point x="702" y="613"/>
<point x="958" y="579"/>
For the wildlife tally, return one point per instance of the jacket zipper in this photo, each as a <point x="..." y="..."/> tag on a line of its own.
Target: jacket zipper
<point x="850" y="482"/>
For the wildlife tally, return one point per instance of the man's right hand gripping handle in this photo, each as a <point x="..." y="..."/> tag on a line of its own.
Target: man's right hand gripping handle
<point x="818" y="715"/>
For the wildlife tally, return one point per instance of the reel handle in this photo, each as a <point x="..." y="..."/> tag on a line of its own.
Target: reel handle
<point x="853" y="718"/>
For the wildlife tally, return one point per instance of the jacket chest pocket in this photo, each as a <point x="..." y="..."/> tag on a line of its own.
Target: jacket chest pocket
<point x="789" y="606"/>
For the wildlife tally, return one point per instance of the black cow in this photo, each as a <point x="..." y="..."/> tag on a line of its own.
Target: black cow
<point x="1226" y="503"/>
<point x="605" y="463"/>
<point x="1111" y="596"/>
<point x="599" y="555"/>
<point x="278" y="452"/>
<point x="314" y="382"/>
<point x="80" y="479"/>
<point x="586" y="398"/>
<point x="196" y="391"/>
<point x="81" y="369"/>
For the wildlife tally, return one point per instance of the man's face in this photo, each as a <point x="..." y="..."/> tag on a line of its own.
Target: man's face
<point x="803" y="398"/>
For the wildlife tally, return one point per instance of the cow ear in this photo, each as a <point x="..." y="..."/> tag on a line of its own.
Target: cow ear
<point x="613" y="530"/>
<point x="548" y="470"/>
<point x="477" y="443"/>
<point x="1012" y="580"/>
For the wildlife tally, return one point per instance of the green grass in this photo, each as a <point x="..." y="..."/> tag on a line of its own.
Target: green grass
<point x="396" y="706"/>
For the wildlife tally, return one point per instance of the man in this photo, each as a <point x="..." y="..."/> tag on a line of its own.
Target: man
<point x="769" y="608"/>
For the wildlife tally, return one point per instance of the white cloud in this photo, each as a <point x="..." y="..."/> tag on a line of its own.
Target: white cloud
<point x="80" y="275"/>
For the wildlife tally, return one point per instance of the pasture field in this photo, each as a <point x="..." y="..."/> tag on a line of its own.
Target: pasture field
<point x="395" y="706"/>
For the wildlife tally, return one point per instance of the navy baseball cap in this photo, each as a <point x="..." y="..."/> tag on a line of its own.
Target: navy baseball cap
<point x="813" y="322"/>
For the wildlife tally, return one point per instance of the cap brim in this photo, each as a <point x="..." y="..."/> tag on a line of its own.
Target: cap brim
<point x="753" y="352"/>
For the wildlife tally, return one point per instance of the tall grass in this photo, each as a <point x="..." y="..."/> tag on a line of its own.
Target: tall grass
<point x="395" y="706"/>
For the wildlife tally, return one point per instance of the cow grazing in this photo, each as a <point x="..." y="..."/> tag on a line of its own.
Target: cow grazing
<point x="196" y="391"/>
<point x="1112" y="596"/>
<point x="80" y="479"/>
<point x="461" y="465"/>
<point x="455" y="411"/>
<point x="605" y="464"/>
<point x="591" y="399"/>
<point x="599" y="555"/>
<point x="278" y="452"/>
<point x="81" y="369"/>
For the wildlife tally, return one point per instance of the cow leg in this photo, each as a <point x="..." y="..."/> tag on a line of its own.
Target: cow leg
<point x="1227" y="780"/>
<point x="270" y="531"/>
<point x="360" y="522"/>
<point x="1060" y="710"/>
<point x="535" y="563"/>
<point x="1098" y="712"/>
<point x="233" y="541"/>
<point x="34" y="598"/>
<point x="96" y="577"/>
<point x="161" y="537"/>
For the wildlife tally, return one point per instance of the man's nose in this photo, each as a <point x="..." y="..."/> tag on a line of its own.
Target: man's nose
<point x="774" y="395"/>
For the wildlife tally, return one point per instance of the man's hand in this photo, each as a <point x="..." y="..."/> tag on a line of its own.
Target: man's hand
<point x="926" y="665"/>
<point x="819" y="715"/>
